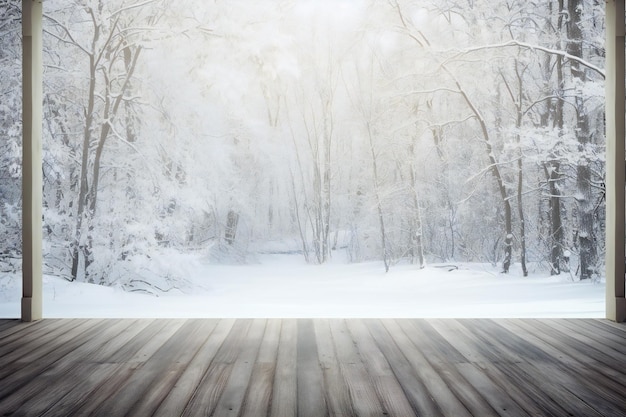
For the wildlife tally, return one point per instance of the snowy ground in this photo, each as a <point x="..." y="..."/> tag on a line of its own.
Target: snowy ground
<point x="284" y="286"/>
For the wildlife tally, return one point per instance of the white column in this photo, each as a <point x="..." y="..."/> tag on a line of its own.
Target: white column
<point x="615" y="256"/>
<point x="32" y="180"/>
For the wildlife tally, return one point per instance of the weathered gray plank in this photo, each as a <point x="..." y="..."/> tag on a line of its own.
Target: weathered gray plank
<point x="599" y="337"/>
<point x="496" y="395"/>
<point x="158" y="375"/>
<point x="310" y="381"/>
<point x="365" y="399"/>
<point x="178" y="397"/>
<point x="443" y="357"/>
<point x="588" y="380"/>
<point x="101" y="375"/>
<point x="259" y="393"/>
<point x="575" y="349"/>
<point x="232" y="397"/>
<point x="92" y="378"/>
<point x="335" y="389"/>
<point x="617" y="328"/>
<point x="315" y="367"/>
<point x="284" y="393"/>
<point x="9" y="327"/>
<point x="28" y="367"/>
<point x="387" y="386"/>
<point x="61" y="377"/>
<point x="31" y="338"/>
<point x="115" y="396"/>
<point x="535" y="392"/>
<point x="426" y="390"/>
<point x="209" y="390"/>
<point x="564" y="383"/>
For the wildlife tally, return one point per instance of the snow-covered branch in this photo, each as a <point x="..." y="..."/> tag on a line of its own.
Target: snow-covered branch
<point x="515" y="43"/>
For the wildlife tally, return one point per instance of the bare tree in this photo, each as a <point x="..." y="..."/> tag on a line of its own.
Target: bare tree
<point x="112" y="51"/>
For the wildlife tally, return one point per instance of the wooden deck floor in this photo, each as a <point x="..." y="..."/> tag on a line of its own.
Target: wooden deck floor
<point x="303" y="367"/>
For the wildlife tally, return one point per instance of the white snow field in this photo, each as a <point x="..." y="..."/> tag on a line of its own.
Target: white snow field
<point x="285" y="286"/>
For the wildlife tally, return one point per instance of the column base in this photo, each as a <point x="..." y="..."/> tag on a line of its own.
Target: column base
<point x="616" y="309"/>
<point x="31" y="309"/>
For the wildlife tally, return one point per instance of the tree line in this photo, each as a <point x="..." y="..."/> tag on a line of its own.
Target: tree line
<point x="399" y="131"/>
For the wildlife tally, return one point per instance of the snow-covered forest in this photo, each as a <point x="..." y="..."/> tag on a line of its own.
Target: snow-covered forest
<point x="401" y="131"/>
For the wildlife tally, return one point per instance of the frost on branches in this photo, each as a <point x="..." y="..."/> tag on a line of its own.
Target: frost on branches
<point x="400" y="131"/>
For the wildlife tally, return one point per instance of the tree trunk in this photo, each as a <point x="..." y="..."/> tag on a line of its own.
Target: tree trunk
<point x="232" y="220"/>
<point x="520" y="173"/>
<point x="417" y="243"/>
<point x="520" y="213"/>
<point x="444" y="182"/>
<point x="518" y="100"/>
<point x="584" y="196"/>
<point x="552" y="166"/>
<point x="508" y="218"/>
<point x="381" y="219"/>
<point x="83" y="193"/>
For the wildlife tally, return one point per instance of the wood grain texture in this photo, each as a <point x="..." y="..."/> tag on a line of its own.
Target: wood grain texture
<point x="336" y="391"/>
<point x="181" y="392"/>
<point x="310" y="380"/>
<point x="313" y="367"/>
<point x="259" y="393"/>
<point x="285" y="394"/>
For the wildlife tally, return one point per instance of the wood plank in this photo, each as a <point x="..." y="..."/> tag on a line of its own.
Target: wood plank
<point x="139" y="350"/>
<point x="147" y="366"/>
<point x="594" y="399"/>
<point x="582" y="380"/>
<point x="99" y="372"/>
<point x="495" y="396"/>
<point x="180" y="394"/>
<point x="284" y="393"/>
<point x="310" y="380"/>
<point x="564" y="383"/>
<point x="50" y="386"/>
<point x="492" y="359"/>
<point x="387" y="386"/>
<point x="31" y="365"/>
<point x="428" y="393"/>
<point x="29" y="338"/>
<point x="206" y="395"/>
<point x="603" y="340"/>
<point x="575" y="349"/>
<point x="9" y="324"/>
<point x="257" y="400"/>
<point x="589" y="344"/>
<point x="232" y="397"/>
<point x="157" y="376"/>
<point x="499" y="397"/>
<point x="609" y="356"/>
<point x="356" y="368"/>
<point x="336" y="391"/>
<point x="616" y="327"/>
<point x="91" y="379"/>
<point x="363" y="396"/>
<point x="145" y="343"/>
<point x="538" y="388"/>
<point x="125" y="340"/>
<point x="9" y="327"/>
<point x="443" y="357"/>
